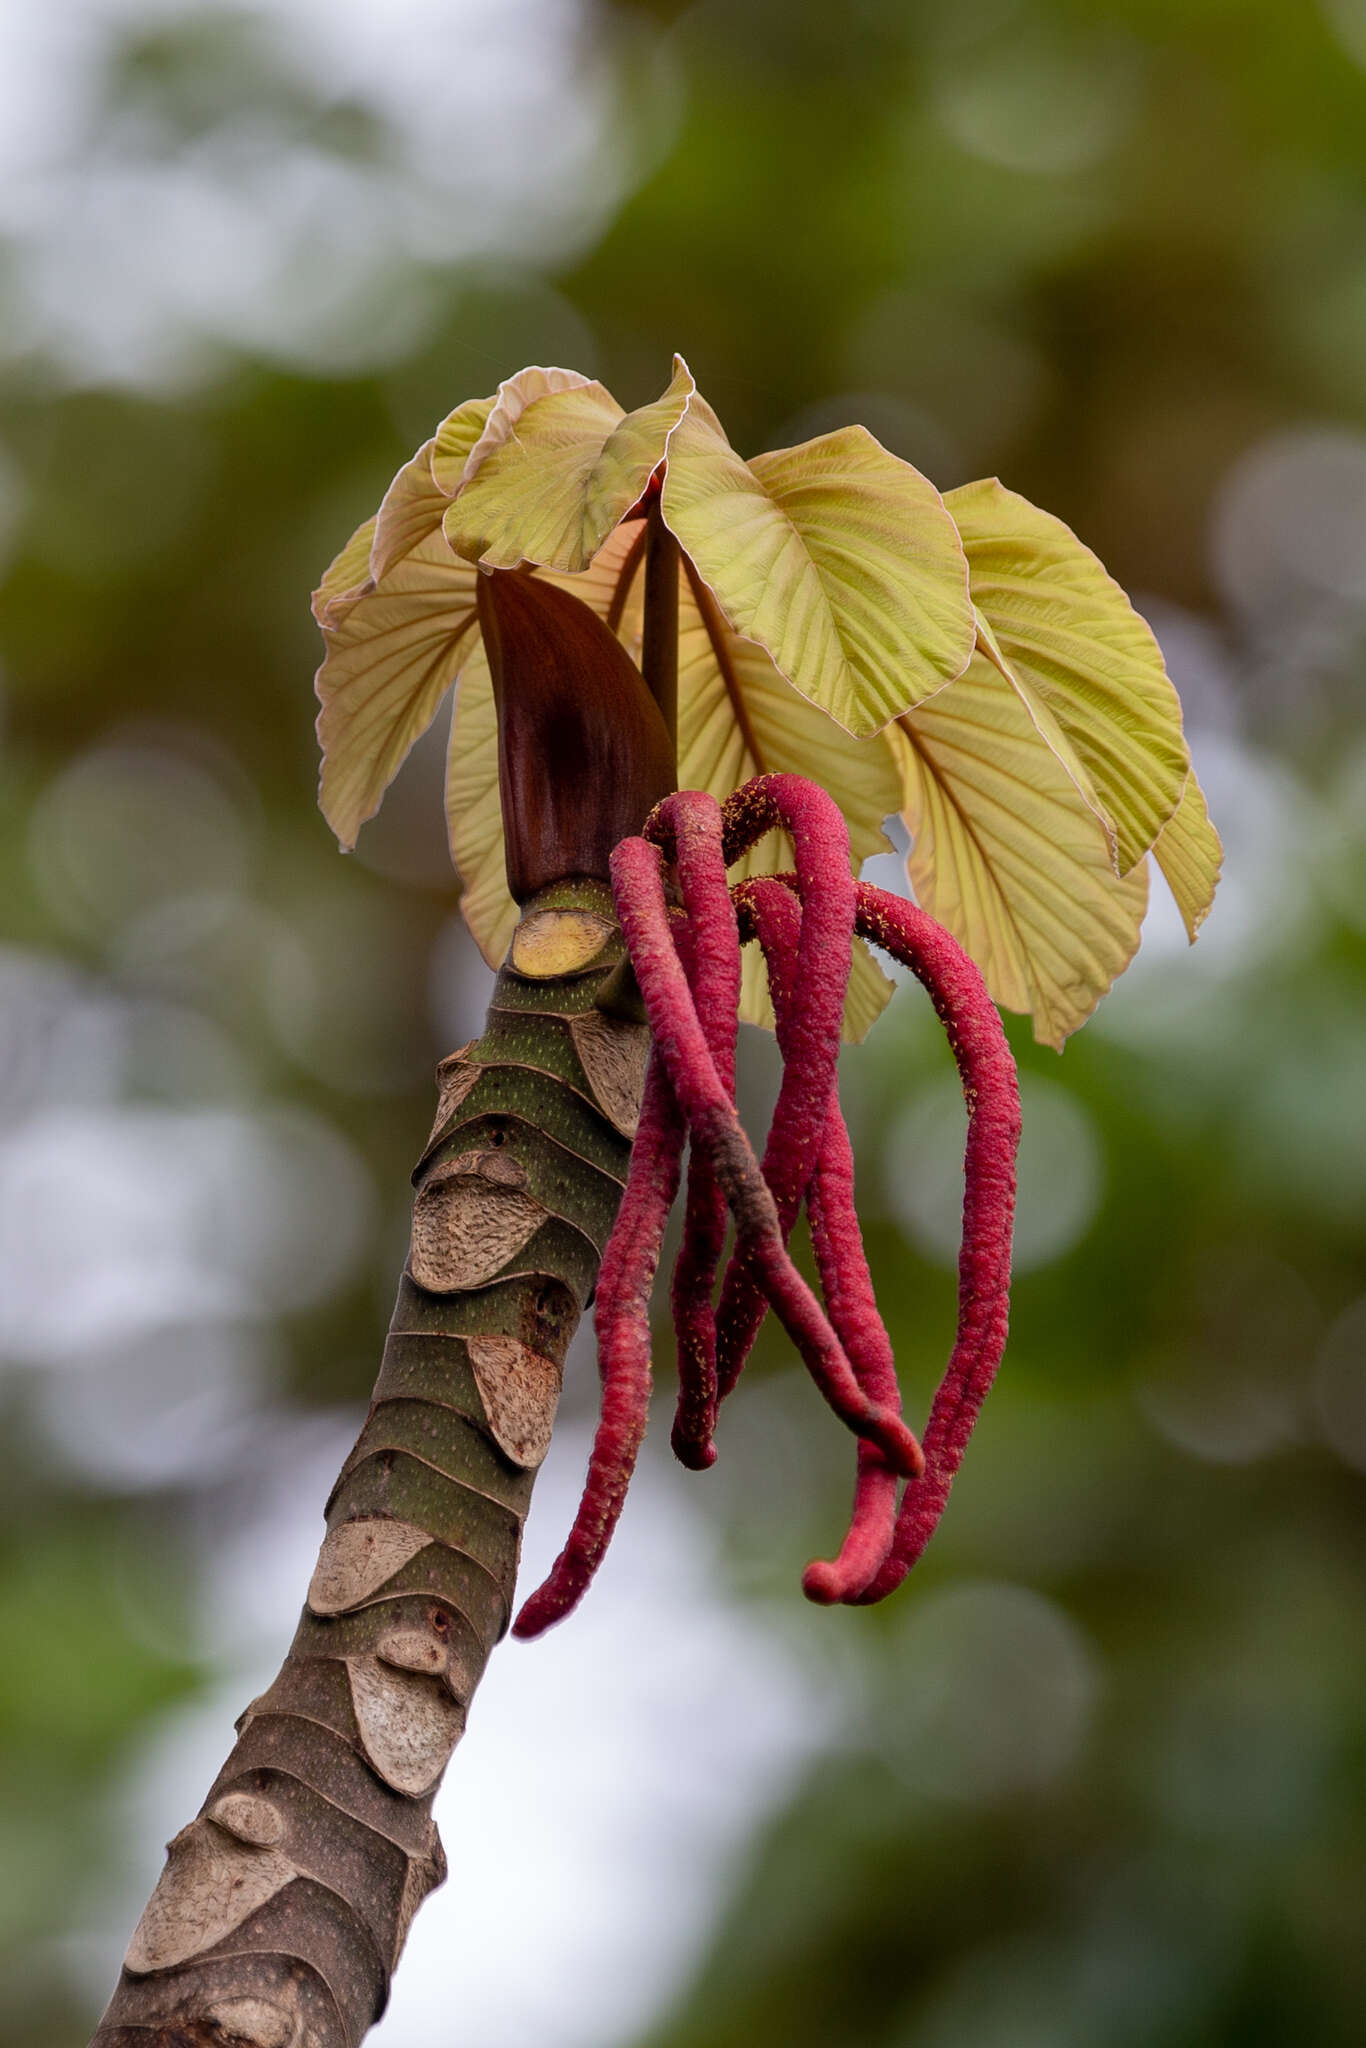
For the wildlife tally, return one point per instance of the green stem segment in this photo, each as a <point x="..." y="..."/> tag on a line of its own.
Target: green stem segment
<point x="283" y="1907"/>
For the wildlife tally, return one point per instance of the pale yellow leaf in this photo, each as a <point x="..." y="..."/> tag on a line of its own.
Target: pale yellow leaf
<point x="737" y="717"/>
<point x="417" y="498"/>
<point x="780" y="731"/>
<point x="474" y="812"/>
<point x="1074" y="647"/>
<point x="1048" y="729"/>
<point x="613" y="584"/>
<point x="515" y="394"/>
<point x="346" y="577"/>
<point x="474" y="816"/>
<point x="553" y="488"/>
<point x="391" y="656"/>
<point x="1190" y="856"/>
<point x="410" y="509"/>
<point x="836" y="556"/>
<point x="456" y="439"/>
<point x="1008" y="857"/>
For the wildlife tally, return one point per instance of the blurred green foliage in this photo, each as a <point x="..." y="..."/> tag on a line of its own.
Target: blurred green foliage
<point x="1106" y="1777"/>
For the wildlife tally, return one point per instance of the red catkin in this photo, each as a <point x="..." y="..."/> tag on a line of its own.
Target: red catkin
<point x="688" y="967"/>
<point x="710" y="1115"/>
<point x="990" y="1087"/>
<point x="622" y="1324"/>
<point x="771" y="911"/>
<point x="687" y="828"/>
<point x="825" y="882"/>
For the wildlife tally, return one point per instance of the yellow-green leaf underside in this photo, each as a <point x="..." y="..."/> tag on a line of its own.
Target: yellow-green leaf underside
<point x="455" y="441"/>
<point x="396" y="607"/>
<point x="824" y="592"/>
<point x="392" y="653"/>
<point x="837" y="557"/>
<point x="416" y="500"/>
<point x="1190" y="856"/>
<point x="411" y="509"/>
<point x="736" y="718"/>
<point x="515" y="394"/>
<point x="1075" y="648"/>
<point x="1006" y="854"/>
<point x="572" y="466"/>
<point x="474" y="814"/>
<point x="346" y="577"/>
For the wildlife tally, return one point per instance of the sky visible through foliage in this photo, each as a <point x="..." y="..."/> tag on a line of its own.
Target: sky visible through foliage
<point x="1098" y="1776"/>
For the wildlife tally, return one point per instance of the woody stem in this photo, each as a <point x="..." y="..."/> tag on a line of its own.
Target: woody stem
<point x="284" y="1905"/>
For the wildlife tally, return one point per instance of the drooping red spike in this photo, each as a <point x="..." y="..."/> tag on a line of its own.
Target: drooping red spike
<point x="687" y="829"/>
<point x="688" y="974"/>
<point x="825" y="883"/>
<point x="991" y="1089"/>
<point x="772" y="912"/>
<point x="838" y="1243"/>
<point x="638" y="892"/>
<point x="622" y="1322"/>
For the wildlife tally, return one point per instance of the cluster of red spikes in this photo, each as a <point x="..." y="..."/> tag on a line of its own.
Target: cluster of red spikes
<point x="687" y="962"/>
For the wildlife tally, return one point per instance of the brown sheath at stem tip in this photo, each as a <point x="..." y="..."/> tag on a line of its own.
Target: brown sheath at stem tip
<point x="583" y="750"/>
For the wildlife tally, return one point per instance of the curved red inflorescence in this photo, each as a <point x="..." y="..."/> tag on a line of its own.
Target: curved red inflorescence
<point x="771" y="912"/>
<point x="688" y="966"/>
<point x="825" y="883"/>
<point x="715" y="1129"/>
<point x="688" y="829"/>
<point x="621" y="1319"/>
<point x="991" y="1089"/>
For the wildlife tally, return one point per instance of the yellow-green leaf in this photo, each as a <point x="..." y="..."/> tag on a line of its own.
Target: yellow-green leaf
<point x="416" y="500"/>
<point x="515" y="394"/>
<point x="737" y="717"/>
<point x="410" y="509"/>
<point x="346" y="577"/>
<point x="474" y="816"/>
<point x="836" y="556"/>
<point x="1048" y="729"/>
<point x="612" y="584"/>
<point x="1075" y="647"/>
<point x="552" y="490"/>
<point x="780" y="731"/>
<point x="392" y="653"/>
<point x="1006" y="854"/>
<point x="1190" y="856"/>
<point x="457" y="437"/>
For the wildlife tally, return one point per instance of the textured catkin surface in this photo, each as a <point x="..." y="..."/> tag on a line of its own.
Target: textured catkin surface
<point x="285" y="1903"/>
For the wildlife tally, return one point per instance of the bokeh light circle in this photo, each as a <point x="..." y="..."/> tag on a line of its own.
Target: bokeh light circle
<point x="1061" y="1172"/>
